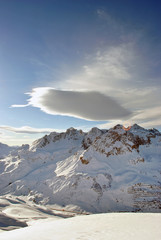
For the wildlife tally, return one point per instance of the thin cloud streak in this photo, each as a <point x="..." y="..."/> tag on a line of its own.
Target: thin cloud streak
<point x="17" y="106"/>
<point x="29" y="130"/>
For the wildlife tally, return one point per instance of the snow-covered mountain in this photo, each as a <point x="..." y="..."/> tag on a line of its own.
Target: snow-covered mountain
<point x="99" y="171"/>
<point x="5" y="150"/>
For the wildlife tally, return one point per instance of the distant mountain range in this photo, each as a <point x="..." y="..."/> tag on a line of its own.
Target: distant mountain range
<point x="99" y="171"/>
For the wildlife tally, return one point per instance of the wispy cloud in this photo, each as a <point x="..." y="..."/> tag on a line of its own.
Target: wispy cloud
<point x="105" y="70"/>
<point x="116" y="72"/>
<point x="105" y="16"/>
<point x="27" y="129"/>
<point x="146" y="123"/>
<point x="148" y="118"/>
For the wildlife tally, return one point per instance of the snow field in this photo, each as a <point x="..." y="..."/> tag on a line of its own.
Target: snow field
<point x="111" y="226"/>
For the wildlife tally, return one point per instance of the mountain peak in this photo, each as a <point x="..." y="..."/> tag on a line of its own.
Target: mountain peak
<point x="137" y="127"/>
<point x="73" y="131"/>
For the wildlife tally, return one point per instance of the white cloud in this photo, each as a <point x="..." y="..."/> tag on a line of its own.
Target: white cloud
<point x="88" y="105"/>
<point x="114" y="72"/>
<point x="27" y="129"/>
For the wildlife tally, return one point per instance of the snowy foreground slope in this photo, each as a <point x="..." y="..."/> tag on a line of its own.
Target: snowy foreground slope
<point x="111" y="226"/>
<point x="99" y="171"/>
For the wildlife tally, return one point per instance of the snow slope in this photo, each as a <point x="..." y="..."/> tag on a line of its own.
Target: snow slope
<point x="111" y="226"/>
<point x="98" y="171"/>
<point x="5" y="150"/>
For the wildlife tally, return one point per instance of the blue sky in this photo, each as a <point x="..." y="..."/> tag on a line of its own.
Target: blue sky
<point x="82" y="63"/>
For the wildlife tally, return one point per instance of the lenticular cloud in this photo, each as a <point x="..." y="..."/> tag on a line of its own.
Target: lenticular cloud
<point x="89" y="105"/>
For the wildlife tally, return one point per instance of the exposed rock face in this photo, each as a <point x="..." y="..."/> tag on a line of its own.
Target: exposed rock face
<point x="102" y="170"/>
<point x="91" y="136"/>
<point x="70" y="134"/>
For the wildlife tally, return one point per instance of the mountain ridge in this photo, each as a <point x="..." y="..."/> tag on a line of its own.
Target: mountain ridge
<point x="99" y="170"/>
